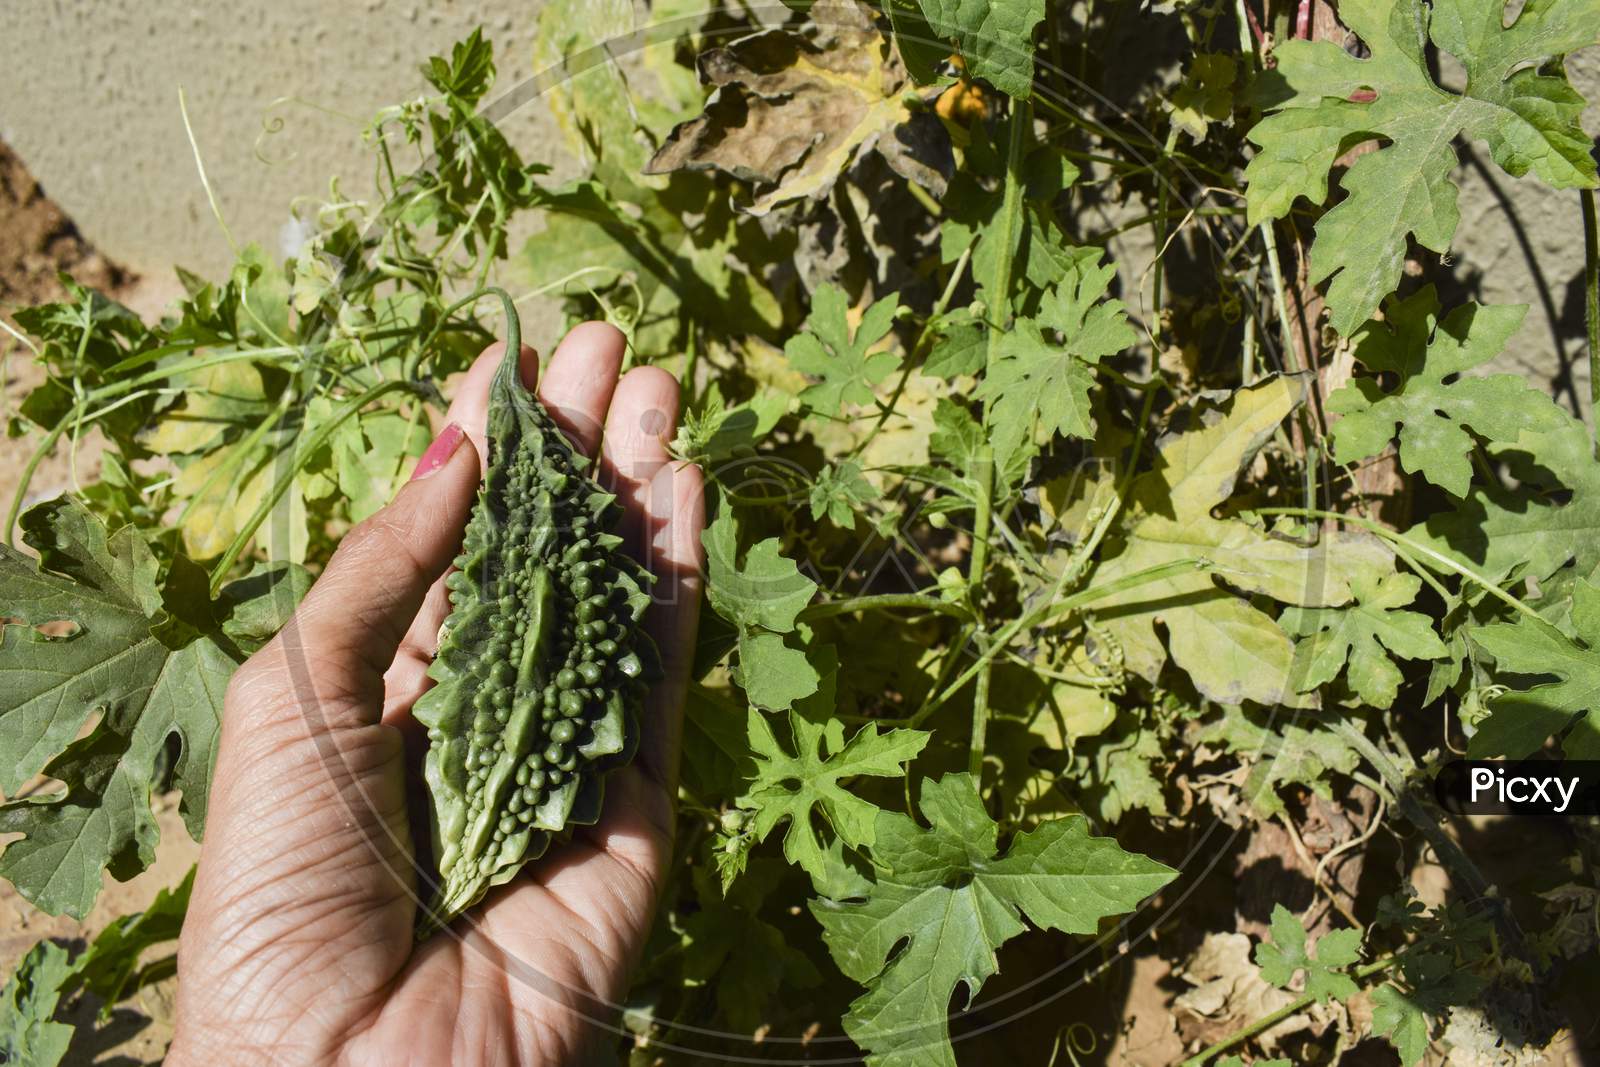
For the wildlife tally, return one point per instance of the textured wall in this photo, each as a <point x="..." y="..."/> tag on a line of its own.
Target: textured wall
<point x="89" y="99"/>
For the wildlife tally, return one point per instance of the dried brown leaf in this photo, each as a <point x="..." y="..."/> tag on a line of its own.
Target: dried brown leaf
<point x="791" y="112"/>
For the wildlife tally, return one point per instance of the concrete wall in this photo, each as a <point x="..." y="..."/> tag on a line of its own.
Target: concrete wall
<point x="89" y="100"/>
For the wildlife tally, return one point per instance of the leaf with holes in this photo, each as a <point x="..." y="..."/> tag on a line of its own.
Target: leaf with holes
<point x="800" y="787"/>
<point x="148" y="654"/>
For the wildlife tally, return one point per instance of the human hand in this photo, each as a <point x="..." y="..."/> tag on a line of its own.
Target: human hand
<point x="297" y="948"/>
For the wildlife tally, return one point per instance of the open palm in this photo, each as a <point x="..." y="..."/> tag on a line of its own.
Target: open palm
<point x="297" y="947"/>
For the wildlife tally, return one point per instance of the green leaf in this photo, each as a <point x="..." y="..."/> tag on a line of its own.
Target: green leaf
<point x="949" y="893"/>
<point x="1363" y="634"/>
<point x="774" y="675"/>
<point x="1515" y="102"/>
<point x="1034" y="378"/>
<point x="1120" y="774"/>
<point x="839" y="492"/>
<point x="112" y="959"/>
<point x="762" y="598"/>
<point x="827" y="350"/>
<point x="786" y="787"/>
<point x="1231" y="650"/>
<point x="1432" y="405"/>
<point x="468" y="72"/>
<point x="1521" y="720"/>
<point x="1287" y="954"/>
<point x="1283" y="753"/>
<point x="217" y="400"/>
<point x="1551" y="519"/>
<point x="960" y="349"/>
<point x="108" y="969"/>
<point x="1397" y="1016"/>
<point x="1206" y="95"/>
<point x="766" y="590"/>
<point x="372" y="456"/>
<point x="28" y="1033"/>
<point x="717" y="432"/>
<point x="149" y="659"/>
<point x="995" y="37"/>
<point x="748" y="960"/>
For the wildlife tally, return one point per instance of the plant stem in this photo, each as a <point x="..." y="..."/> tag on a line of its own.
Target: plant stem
<point x="303" y="454"/>
<point x="1290" y="357"/>
<point x="44" y="448"/>
<point x="1591" y="298"/>
<point x="1451" y="856"/>
<point x="983" y="517"/>
<point x="1049" y="612"/>
<point x="1008" y="227"/>
<point x="1418" y="548"/>
<point x="1294" y="1007"/>
<point x="1159" y="223"/>
<point x="982" y="521"/>
<point x="884" y="602"/>
<point x="939" y="307"/>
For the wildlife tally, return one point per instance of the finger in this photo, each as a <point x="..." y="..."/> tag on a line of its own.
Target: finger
<point x="469" y="408"/>
<point x="675" y="515"/>
<point x="578" y="383"/>
<point x="642" y="419"/>
<point x="344" y="634"/>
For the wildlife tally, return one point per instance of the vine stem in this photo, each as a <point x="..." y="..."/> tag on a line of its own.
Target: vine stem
<point x="884" y="602"/>
<point x="982" y="521"/>
<point x="353" y="406"/>
<point x="956" y="274"/>
<point x="1416" y="547"/>
<point x="29" y="469"/>
<point x="983" y="516"/>
<point x="1450" y="854"/>
<point x="1268" y="238"/>
<point x="1591" y="298"/>
<point x="1294" y="1007"/>
<point x="280" y="486"/>
<point x="1049" y="612"/>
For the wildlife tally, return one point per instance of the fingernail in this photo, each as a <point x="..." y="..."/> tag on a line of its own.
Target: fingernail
<point x="438" y="454"/>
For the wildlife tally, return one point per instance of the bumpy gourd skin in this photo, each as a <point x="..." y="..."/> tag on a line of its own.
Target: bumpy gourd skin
<point x="541" y="662"/>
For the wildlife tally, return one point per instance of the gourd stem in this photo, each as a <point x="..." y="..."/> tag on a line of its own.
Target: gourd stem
<point x="999" y="316"/>
<point x="1294" y="1007"/>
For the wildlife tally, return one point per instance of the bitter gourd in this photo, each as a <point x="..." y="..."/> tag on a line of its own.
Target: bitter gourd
<point x="541" y="662"/>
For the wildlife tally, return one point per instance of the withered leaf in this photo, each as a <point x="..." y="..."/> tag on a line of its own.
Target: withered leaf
<point x="791" y="111"/>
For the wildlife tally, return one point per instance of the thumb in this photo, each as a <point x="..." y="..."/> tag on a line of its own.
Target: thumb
<point x="348" y="626"/>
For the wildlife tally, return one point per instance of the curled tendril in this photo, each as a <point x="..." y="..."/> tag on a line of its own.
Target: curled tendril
<point x="1080" y="1041"/>
<point x="273" y="124"/>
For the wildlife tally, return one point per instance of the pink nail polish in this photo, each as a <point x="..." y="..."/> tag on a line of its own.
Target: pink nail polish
<point x="438" y="454"/>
